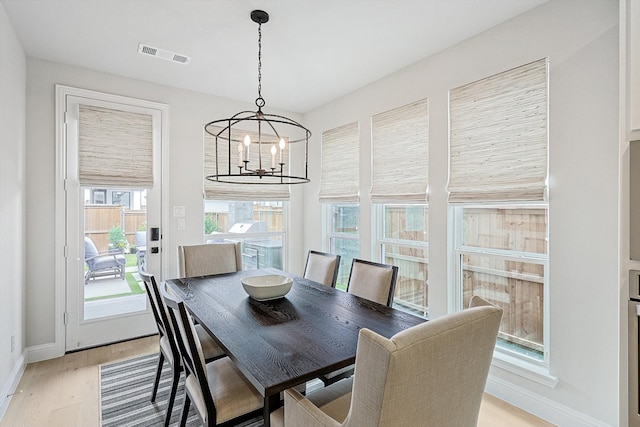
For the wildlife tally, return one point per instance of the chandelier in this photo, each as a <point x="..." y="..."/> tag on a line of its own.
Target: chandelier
<point x="253" y="147"/>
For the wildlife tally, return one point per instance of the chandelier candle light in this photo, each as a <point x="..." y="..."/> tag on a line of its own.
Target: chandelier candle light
<point x="255" y="135"/>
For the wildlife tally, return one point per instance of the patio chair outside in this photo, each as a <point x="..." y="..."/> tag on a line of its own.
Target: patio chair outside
<point x="109" y="263"/>
<point x="141" y="249"/>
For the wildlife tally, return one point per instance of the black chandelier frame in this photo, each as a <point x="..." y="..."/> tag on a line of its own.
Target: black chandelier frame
<point x="225" y="132"/>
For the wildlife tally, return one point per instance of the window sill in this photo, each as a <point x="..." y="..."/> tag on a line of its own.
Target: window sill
<point x="529" y="369"/>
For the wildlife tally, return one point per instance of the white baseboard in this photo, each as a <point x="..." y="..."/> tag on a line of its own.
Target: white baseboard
<point x="539" y="406"/>
<point x="38" y="353"/>
<point x="12" y="383"/>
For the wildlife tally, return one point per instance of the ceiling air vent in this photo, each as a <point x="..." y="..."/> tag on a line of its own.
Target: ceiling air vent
<point x="180" y="58"/>
<point x="163" y="54"/>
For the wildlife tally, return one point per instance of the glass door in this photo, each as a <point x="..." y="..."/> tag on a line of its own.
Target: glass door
<point x="109" y="219"/>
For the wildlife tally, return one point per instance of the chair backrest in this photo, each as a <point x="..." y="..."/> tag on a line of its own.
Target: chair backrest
<point x="90" y="250"/>
<point x="431" y="375"/>
<point x="160" y="313"/>
<point x="322" y="267"/>
<point x="373" y="281"/>
<point x="192" y="355"/>
<point x="141" y="239"/>
<point x="209" y="258"/>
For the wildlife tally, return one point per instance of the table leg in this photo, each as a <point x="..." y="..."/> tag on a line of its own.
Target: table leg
<point x="271" y="403"/>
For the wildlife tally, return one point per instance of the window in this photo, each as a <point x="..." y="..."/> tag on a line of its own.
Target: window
<point x="259" y="225"/>
<point x="404" y="243"/>
<point x="497" y="188"/>
<point x="252" y="214"/>
<point x="344" y="238"/>
<point x="339" y="192"/>
<point x="501" y="255"/>
<point x="122" y="198"/>
<point x="400" y="174"/>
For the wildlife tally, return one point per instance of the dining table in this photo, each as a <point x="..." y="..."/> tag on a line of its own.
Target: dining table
<point x="281" y="343"/>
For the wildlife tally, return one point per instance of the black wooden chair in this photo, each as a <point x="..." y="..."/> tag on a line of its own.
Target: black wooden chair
<point x="169" y="350"/>
<point x="221" y="395"/>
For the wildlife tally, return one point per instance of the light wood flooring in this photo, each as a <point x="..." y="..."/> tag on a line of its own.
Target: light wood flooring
<point x="65" y="391"/>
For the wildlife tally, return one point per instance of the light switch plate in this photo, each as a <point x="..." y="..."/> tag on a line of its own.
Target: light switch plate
<point x="179" y="211"/>
<point x="181" y="224"/>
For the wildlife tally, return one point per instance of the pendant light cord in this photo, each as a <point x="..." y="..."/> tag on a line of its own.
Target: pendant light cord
<point x="260" y="101"/>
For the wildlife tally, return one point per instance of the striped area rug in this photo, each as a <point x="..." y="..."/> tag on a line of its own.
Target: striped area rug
<point x="125" y="393"/>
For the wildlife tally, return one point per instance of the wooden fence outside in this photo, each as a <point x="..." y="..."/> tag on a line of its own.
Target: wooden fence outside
<point x="99" y="219"/>
<point x="516" y="286"/>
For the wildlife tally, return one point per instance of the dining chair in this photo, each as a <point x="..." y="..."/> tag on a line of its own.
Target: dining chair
<point x="322" y="267"/>
<point x="168" y="344"/>
<point x="373" y="281"/>
<point x="209" y="258"/>
<point x="430" y="375"/>
<point x="219" y="391"/>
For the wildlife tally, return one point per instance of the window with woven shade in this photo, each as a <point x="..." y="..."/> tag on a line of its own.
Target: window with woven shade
<point x="400" y="167"/>
<point x="339" y="181"/>
<point x="115" y="148"/>
<point x="498" y="137"/>
<point x="400" y="171"/>
<point x="497" y="186"/>
<point x="340" y="192"/>
<point x="226" y="191"/>
<point x="252" y="214"/>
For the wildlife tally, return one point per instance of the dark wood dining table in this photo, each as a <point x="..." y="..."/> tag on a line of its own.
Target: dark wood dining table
<point x="278" y="344"/>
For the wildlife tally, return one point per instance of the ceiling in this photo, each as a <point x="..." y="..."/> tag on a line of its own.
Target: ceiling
<point x="313" y="51"/>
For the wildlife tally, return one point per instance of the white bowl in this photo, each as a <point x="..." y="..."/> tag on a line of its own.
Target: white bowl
<point x="269" y="286"/>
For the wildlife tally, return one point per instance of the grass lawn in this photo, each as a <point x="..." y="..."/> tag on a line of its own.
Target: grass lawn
<point x="132" y="260"/>
<point x="136" y="288"/>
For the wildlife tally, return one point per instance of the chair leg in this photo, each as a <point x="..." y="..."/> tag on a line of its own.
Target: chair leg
<point x="185" y="410"/>
<point x="172" y="396"/>
<point x="158" y="373"/>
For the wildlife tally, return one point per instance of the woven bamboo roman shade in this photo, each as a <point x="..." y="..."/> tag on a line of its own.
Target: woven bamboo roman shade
<point x="400" y="167"/>
<point x="498" y="139"/>
<point x="340" y="165"/>
<point x="115" y="148"/>
<point x="226" y="191"/>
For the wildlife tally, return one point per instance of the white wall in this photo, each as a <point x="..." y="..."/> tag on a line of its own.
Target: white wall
<point x="580" y="38"/>
<point x="12" y="207"/>
<point x="189" y="111"/>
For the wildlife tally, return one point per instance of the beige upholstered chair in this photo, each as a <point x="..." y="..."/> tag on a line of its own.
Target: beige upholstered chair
<point x="209" y="258"/>
<point x="431" y="375"/>
<point x="221" y="395"/>
<point x="322" y="267"/>
<point x="169" y="351"/>
<point x="373" y="281"/>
